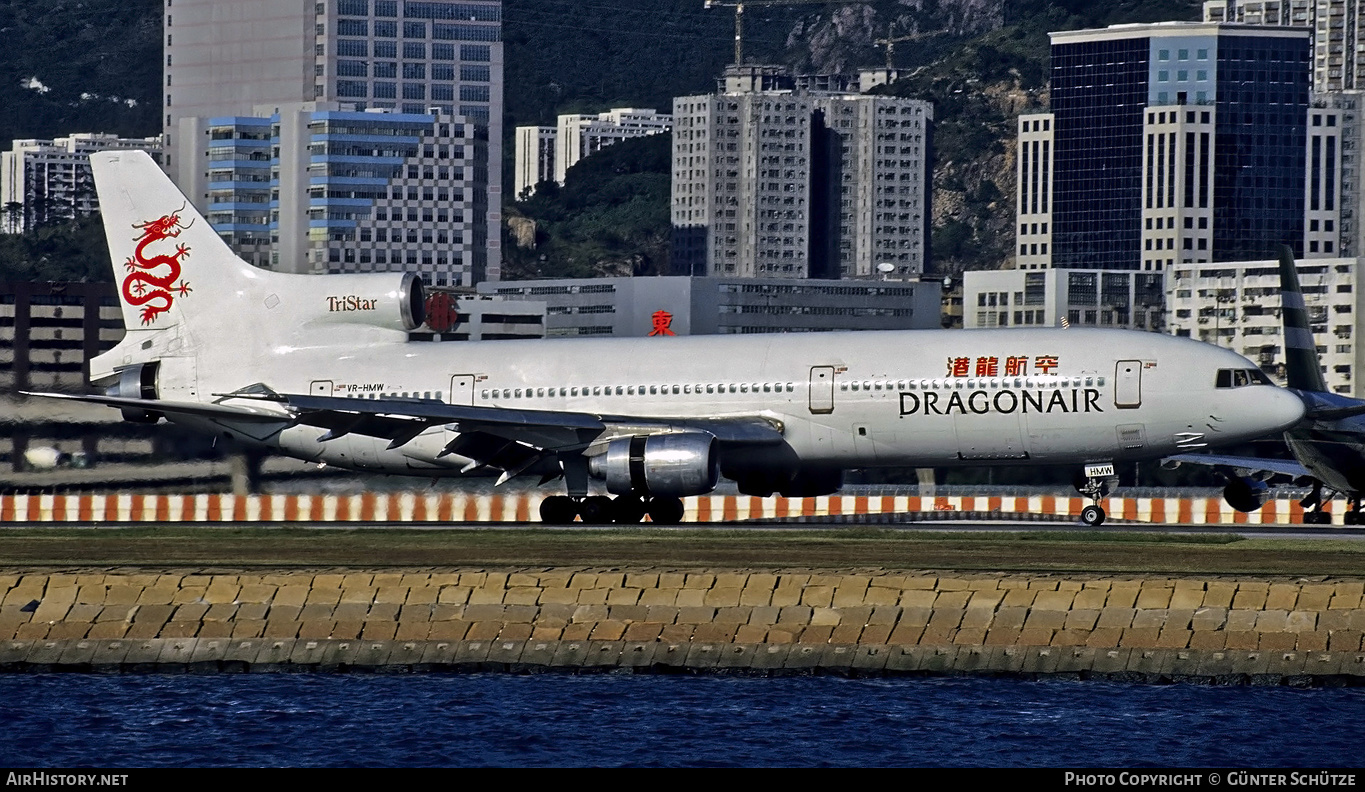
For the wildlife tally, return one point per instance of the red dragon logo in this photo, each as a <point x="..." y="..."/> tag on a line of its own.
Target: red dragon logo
<point x="148" y="289"/>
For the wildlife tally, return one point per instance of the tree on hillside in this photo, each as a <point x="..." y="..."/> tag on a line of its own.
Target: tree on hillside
<point x="611" y="217"/>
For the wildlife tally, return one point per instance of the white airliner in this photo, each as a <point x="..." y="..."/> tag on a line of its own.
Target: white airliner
<point x="320" y="368"/>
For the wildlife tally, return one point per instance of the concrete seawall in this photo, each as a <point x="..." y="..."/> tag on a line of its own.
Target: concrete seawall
<point x="741" y="621"/>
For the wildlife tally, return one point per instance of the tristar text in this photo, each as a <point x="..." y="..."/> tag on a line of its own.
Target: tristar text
<point x="350" y="303"/>
<point x="1067" y="400"/>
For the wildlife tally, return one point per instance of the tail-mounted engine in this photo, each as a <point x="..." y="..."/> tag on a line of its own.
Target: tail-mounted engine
<point x="396" y="302"/>
<point x="137" y="382"/>
<point x="675" y="465"/>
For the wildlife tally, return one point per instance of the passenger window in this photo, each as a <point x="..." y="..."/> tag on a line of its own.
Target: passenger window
<point x="573" y="391"/>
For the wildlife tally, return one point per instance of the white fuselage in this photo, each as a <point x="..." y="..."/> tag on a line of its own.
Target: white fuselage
<point x="921" y="398"/>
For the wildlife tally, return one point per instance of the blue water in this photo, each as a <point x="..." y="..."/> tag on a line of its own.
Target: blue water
<point x="69" y="720"/>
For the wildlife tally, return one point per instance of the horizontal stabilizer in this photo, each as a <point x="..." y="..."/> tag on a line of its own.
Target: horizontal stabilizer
<point x="179" y="408"/>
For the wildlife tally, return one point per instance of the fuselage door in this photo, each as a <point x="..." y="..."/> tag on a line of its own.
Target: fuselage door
<point x="462" y="389"/>
<point x="321" y="388"/>
<point x="822" y="389"/>
<point x="1128" y="384"/>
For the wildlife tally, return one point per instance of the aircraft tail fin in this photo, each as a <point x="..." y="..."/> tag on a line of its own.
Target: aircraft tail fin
<point x="168" y="261"/>
<point x="1301" y="357"/>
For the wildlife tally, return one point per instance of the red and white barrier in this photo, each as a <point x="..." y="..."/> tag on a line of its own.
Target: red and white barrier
<point x="409" y="507"/>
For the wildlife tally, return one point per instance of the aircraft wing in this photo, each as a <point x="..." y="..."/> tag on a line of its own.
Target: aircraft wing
<point x="512" y="440"/>
<point x="224" y="411"/>
<point x="1286" y="467"/>
<point x="400" y="420"/>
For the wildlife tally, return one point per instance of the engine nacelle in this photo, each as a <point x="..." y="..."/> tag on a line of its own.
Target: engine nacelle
<point x="138" y="381"/>
<point x="1245" y="495"/>
<point x="387" y="300"/>
<point x="675" y="465"/>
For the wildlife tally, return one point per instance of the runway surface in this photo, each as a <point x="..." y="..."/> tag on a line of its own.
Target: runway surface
<point x="949" y="545"/>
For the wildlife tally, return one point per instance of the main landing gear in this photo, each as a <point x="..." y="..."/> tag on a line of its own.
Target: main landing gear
<point x="1316" y="512"/>
<point x="1096" y="482"/>
<point x="601" y="510"/>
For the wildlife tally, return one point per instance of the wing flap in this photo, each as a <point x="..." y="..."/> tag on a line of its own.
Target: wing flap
<point x="1286" y="467"/>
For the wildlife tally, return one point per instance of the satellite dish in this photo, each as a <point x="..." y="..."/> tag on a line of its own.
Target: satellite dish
<point x="886" y="268"/>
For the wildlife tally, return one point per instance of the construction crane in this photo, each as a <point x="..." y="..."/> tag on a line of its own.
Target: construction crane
<point x="890" y="44"/>
<point x="739" y="5"/>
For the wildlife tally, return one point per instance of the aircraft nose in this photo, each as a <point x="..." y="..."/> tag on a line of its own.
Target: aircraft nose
<point x="1277" y="409"/>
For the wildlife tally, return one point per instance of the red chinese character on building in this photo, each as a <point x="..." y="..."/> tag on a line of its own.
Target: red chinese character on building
<point x="1016" y="366"/>
<point x="959" y="367"/>
<point x="1045" y="363"/>
<point x="987" y="367"/>
<point x="662" y="320"/>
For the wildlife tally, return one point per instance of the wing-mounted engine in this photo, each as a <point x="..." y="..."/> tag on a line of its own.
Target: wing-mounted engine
<point x="671" y="465"/>
<point x="1245" y="494"/>
<point x="385" y="300"/>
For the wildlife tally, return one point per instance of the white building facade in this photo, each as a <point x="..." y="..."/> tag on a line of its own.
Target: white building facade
<point x="1237" y="306"/>
<point x="43" y="181"/>
<point x="1097" y="298"/>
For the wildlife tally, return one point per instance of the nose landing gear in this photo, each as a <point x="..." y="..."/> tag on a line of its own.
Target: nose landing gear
<point x="1096" y="482"/>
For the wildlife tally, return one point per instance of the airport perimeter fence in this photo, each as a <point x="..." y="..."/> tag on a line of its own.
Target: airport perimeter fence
<point x="523" y="506"/>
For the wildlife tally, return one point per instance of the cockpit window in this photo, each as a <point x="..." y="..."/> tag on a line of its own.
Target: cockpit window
<point x="1237" y="378"/>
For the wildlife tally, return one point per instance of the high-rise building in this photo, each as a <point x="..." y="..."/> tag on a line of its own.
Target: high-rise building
<point x="545" y="153"/>
<point x="45" y="181"/>
<point x="442" y="60"/>
<point x="773" y="178"/>
<point x="1177" y="141"/>
<point x="1338" y="48"/>
<point x="312" y="188"/>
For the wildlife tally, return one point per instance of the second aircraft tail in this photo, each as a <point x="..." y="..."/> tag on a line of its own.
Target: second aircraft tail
<point x="1301" y="356"/>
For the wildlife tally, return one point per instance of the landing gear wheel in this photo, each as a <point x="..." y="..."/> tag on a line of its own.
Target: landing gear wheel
<point x="595" y="510"/>
<point x="628" y="509"/>
<point x="666" y="511"/>
<point x="1092" y="515"/>
<point x="1317" y="518"/>
<point x="558" y="510"/>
